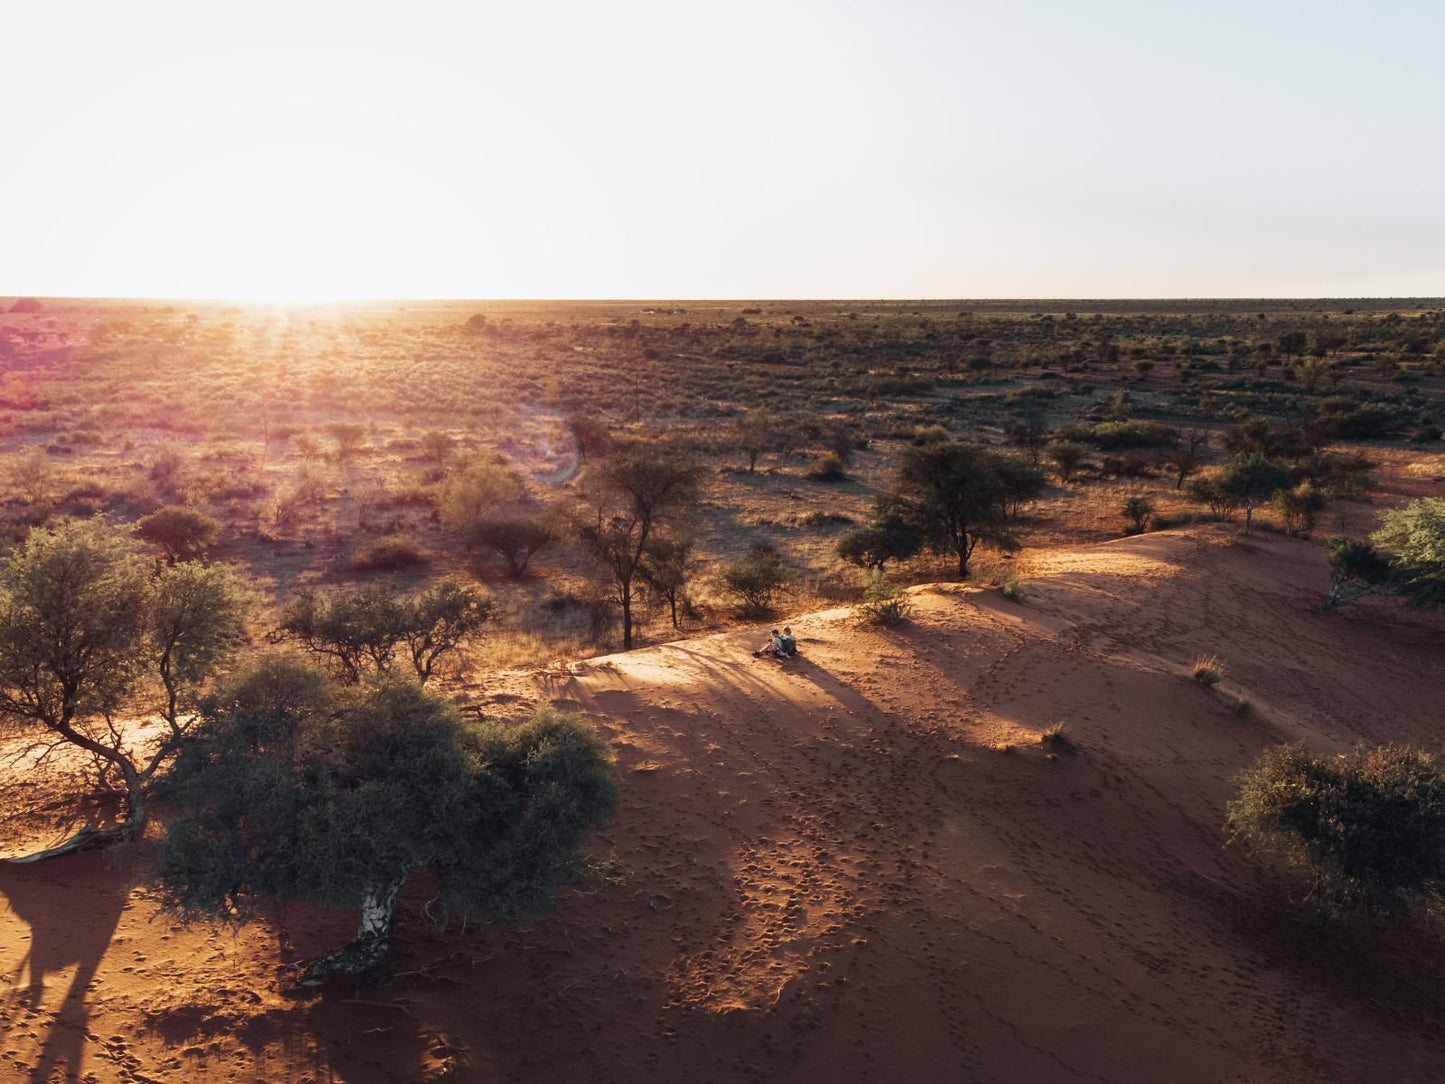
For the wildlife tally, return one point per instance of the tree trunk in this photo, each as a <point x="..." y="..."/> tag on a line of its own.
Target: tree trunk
<point x="366" y="949"/>
<point x="90" y="838"/>
<point x="627" y="618"/>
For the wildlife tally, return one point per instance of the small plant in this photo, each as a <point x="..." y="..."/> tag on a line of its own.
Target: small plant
<point x="1207" y="671"/>
<point x="1243" y="708"/>
<point x="1056" y="738"/>
<point x="884" y="603"/>
<point x="756" y="580"/>
<point x="829" y="469"/>
<point x="1013" y="590"/>
<point x="1137" y="511"/>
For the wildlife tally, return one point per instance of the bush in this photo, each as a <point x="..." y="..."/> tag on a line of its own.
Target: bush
<point x="756" y="580"/>
<point x="1299" y="505"/>
<point x="1013" y="590"/>
<point x="829" y="469"/>
<point x="1207" y="670"/>
<point x="890" y="537"/>
<point x="1368" y="828"/>
<point x="1137" y="511"/>
<point x="1056" y="738"/>
<point x="183" y="533"/>
<point x="1414" y="539"/>
<point x="883" y="603"/>
<point x="294" y="790"/>
<point x="388" y="554"/>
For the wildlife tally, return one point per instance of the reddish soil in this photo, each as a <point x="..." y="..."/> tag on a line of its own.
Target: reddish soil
<point x="860" y="865"/>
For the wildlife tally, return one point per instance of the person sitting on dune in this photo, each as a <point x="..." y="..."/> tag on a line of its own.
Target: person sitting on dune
<point x="787" y="643"/>
<point x="773" y="647"/>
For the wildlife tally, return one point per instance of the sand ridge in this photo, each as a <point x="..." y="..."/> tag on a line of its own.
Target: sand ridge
<point x="858" y="866"/>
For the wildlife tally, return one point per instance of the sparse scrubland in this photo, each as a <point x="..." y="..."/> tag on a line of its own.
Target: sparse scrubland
<point x="389" y="609"/>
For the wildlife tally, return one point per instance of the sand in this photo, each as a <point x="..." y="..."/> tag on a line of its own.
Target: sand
<point x="861" y="865"/>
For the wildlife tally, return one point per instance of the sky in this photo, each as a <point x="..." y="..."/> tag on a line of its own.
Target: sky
<point x="854" y="149"/>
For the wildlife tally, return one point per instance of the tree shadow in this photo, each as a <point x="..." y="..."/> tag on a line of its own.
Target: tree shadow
<point x="72" y="906"/>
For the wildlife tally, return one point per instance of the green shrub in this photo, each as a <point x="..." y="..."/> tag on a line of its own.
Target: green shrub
<point x="1368" y="828"/>
<point x="883" y="603"/>
<point x="1137" y="511"/>
<point x="1013" y="590"/>
<point x="516" y="541"/>
<point x="755" y="581"/>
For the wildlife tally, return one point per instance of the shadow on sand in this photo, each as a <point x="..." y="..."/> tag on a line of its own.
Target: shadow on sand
<point x="72" y="906"/>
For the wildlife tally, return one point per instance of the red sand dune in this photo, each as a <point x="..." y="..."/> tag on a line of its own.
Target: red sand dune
<point x="859" y="866"/>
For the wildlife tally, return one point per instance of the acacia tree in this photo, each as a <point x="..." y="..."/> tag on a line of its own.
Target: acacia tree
<point x="890" y="537"/>
<point x="756" y="432"/>
<point x="1186" y="456"/>
<point x="471" y="492"/>
<point x="294" y="789"/>
<point x="642" y="490"/>
<point x="86" y="625"/>
<point x="1251" y="479"/>
<point x="183" y="533"/>
<point x="668" y="565"/>
<point x="362" y="631"/>
<point x="958" y="494"/>
<point x="1413" y="538"/>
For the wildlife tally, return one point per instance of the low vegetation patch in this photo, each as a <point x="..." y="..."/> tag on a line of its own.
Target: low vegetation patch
<point x="1207" y="670"/>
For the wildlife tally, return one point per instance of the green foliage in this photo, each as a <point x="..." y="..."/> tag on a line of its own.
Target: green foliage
<point x="883" y="603"/>
<point x="1299" y="505"/>
<point x="755" y="581"/>
<point x="668" y="565"/>
<point x="1414" y="539"/>
<point x="1068" y="456"/>
<point x="1367" y="828"/>
<point x="72" y="623"/>
<point x="516" y="541"/>
<point x="1251" y="479"/>
<point x="643" y="488"/>
<point x="292" y="789"/>
<point x="1137" y="511"/>
<point x="890" y="537"/>
<point x="1113" y="436"/>
<point x="183" y="533"/>
<point x="196" y="620"/>
<point x="471" y="491"/>
<point x="1356" y="569"/>
<point x="85" y="627"/>
<point x="363" y="631"/>
<point x="1013" y="590"/>
<point x="959" y="494"/>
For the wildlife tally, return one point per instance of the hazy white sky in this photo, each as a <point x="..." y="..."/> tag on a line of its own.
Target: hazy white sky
<point x="750" y="149"/>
